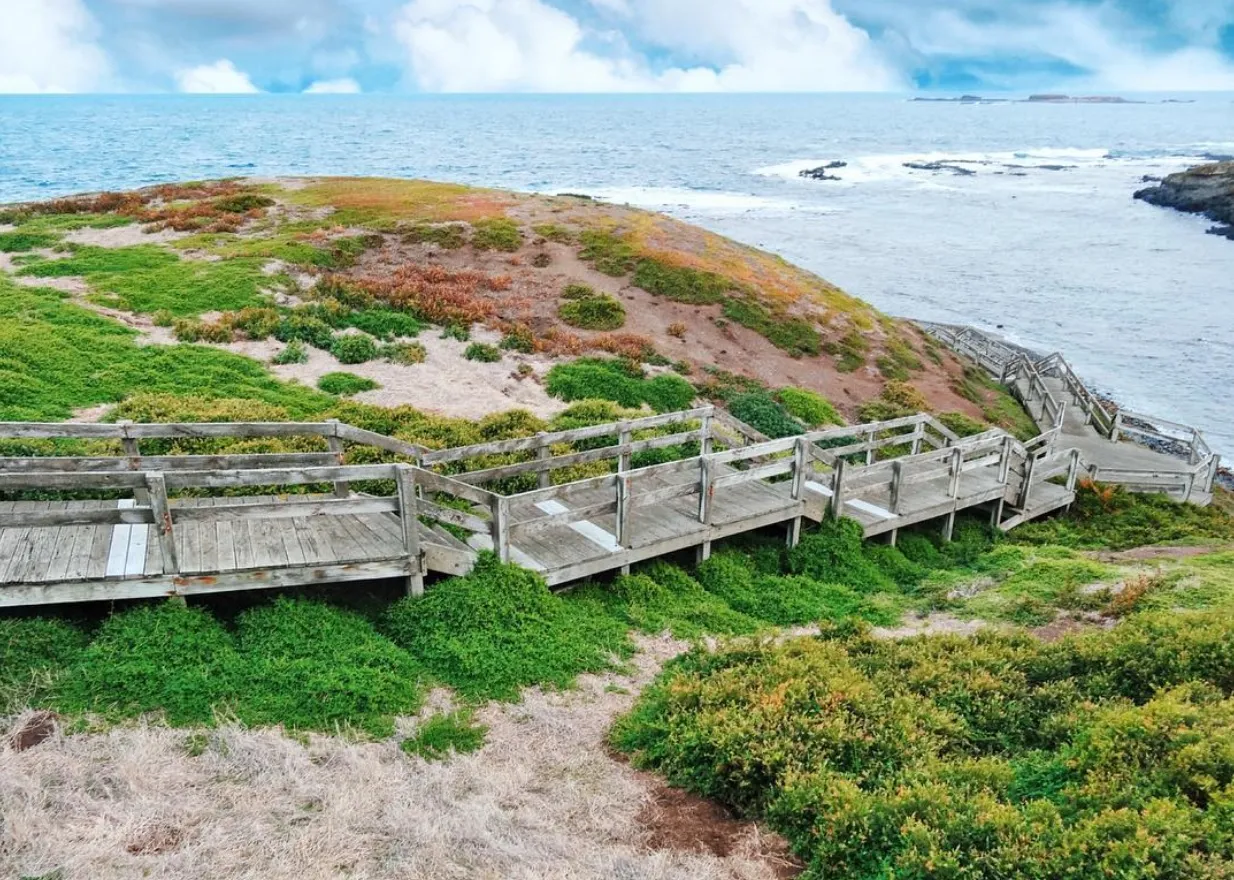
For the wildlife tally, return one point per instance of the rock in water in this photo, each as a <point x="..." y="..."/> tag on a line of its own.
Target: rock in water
<point x="820" y="173"/>
<point x="1205" y="189"/>
<point x="940" y="166"/>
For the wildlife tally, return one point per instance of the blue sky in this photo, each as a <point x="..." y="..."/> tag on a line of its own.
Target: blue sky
<point x="614" y="45"/>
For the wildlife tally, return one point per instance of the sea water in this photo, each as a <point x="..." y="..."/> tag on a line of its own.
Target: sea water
<point x="1043" y="241"/>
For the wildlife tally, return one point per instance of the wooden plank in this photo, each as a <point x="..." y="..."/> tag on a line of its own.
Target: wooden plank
<point x="454" y="517"/>
<point x="381" y="441"/>
<point x="561" y="517"/>
<point x="75" y="516"/>
<point x="113" y="464"/>
<point x="53" y="481"/>
<point x="288" y="509"/>
<point x="271" y="476"/>
<point x="431" y="482"/>
<point x="576" y="458"/>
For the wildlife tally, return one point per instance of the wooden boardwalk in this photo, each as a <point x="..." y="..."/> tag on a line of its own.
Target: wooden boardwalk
<point x="1142" y="452"/>
<point x="171" y="524"/>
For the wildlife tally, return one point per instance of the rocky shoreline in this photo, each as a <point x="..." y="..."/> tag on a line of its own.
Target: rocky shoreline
<point x="1204" y="189"/>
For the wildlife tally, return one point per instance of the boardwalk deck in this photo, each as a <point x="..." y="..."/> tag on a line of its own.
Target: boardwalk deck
<point x="183" y="531"/>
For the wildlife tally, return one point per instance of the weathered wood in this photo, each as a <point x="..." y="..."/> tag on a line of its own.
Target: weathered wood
<point x="543" y="453"/>
<point x="837" y="490"/>
<point x="76" y="517"/>
<point x="233" y="479"/>
<point x="335" y="443"/>
<point x="763" y="472"/>
<point x="897" y="483"/>
<point x="405" y="478"/>
<point x="454" y="517"/>
<point x="706" y="488"/>
<point x="285" y="509"/>
<point x="112" y="464"/>
<point x="157" y="487"/>
<point x="381" y="441"/>
<point x="501" y="527"/>
<point x="622" y="451"/>
<point x="551" y="520"/>
<point x="623" y="510"/>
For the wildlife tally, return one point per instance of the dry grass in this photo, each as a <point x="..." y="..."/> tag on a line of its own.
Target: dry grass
<point x="542" y="799"/>
<point x="380" y="201"/>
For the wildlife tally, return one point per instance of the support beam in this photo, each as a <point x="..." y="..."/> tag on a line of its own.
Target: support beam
<point x="543" y="453"/>
<point x="949" y="527"/>
<point x="405" y="478"/>
<point x="157" y="490"/>
<point x="132" y="451"/>
<point x="342" y="489"/>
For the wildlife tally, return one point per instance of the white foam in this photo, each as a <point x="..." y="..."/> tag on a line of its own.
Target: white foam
<point x="708" y="201"/>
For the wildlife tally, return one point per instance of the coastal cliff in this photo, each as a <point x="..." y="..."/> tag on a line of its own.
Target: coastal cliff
<point x="1205" y="189"/>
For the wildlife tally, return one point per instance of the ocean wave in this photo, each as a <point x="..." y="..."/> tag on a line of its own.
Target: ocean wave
<point x="895" y="166"/>
<point x="709" y="201"/>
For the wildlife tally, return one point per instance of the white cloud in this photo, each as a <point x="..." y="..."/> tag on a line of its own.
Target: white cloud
<point x="740" y="45"/>
<point x="219" y="78"/>
<point x="343" y="86"/>
<point x="50" y="46"/>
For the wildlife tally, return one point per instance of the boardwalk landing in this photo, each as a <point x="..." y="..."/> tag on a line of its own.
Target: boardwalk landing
<point x="1142" y="452"/>
<point x="194" y="524"/>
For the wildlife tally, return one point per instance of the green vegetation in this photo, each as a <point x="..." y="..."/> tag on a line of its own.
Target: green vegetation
<point x="556" y="232"/>
<point x="150" y="278"/>
<point x="590" y="310"/>
<point x="406" y="353"/>
<point x="608" y="252"/>
<point x="759" y="410"/>
<point x="450" y="236"/>
<point x="1111" y="517"/>
<point x="849" y="351"/>
<point x="242" y="203"/>
<point x="345" y="384"/>
<point x="56" y="357"/>
<point x="496" y="235"/>
<point x="293" y="353"/>
<point x="355" y="348"/>
<point x="384" y="323"/>
<point x="483" y="353"/>
<point x="22" y="241"/>
<point x="444" y="735"/>
<point x="984" y="757"/>
<point x="32" y="651"/>
<point x="810" y="408"/>
<point x="900" y="360"/>
<point x="620" y="381"/>
<point x="500" y="629"/>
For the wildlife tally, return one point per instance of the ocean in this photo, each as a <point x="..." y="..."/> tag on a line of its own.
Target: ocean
<point x="1042" y="242"/>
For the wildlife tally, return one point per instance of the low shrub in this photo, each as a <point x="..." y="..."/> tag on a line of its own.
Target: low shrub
<point x="34" y="651"/>
<point x="305" y="328"/>
<point x="483" y="353"/>
<point x="293" y="352"/>
<point x="833" y="553"/>
<point x="21" y="242"/>
<point x="808" y="407"/>
<point x="242" y="203"/>
<point x="353" y="348"/>
<point x="961" y="424"/>
<point x="496" y="235"/>
<point x="759" y="410"/>
<point x="310" y="666"/>
<point x="164" y="658"/>
<point x="849" y="351"/>
<point x="499" y="629"/>
<point x="450" y="236"/>
<point x="190" y="330"/>
<point x="610" y="253"/>
<point x="985" y="757"/>
<point x="589" y="309"/>
<point x="518" y="339"/>
<point x="345" y="384"/>
<point x="441" y="736"/>
<point x="405" y="353"/>
<point x="384" y="323"/>
<point x="457" y="332"/>
<point x="619" y="381"/>
<point x="255" y="323"/>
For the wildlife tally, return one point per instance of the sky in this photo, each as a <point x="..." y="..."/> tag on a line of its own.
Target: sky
<point x="408" y="46"/>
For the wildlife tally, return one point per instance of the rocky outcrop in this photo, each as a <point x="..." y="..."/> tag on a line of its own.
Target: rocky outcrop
<point x="941" y="166"/>
<point x="1205" y="189"/>
<point x="820" y="173"/>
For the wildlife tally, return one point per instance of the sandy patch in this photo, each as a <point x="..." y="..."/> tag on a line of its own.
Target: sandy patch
<point x="89" y="414"/>
<point x="122" y="236"/>
<point x="8" y="263"/>
<point x="446" y="383"/>
<point x="1148" y="554"/>
<point x="930" y="625"/>
<point x="72" y="284"/>
<point x="542" y="799"/>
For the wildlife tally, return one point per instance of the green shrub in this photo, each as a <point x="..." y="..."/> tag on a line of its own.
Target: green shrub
<point x="345" y="384"/>
<point x="808" y="407"/>
<point x="20" y="242"/>
<point x="444" y="735"/>
<point x="681" y="284"/>
<point x="156" y="658"/>
<point x="189" y="330"/>
<point x="293" y="353"/>
<point x="305" y="328"/>
<point x="313" y="667"/>
<point x="590" y="310"/>
<point x="760" y="411"/>
<point x="619" y="381"/>
<point x="242" y="203"/>
<point x="497" y="235"/>
<point x="255" y="323"/>
<point x="385" y="324"/>
<point x="961" y="424"/>
<point x="483" y="353"/>
<point x="662" y="598"/>
<point x="519" y="339"/>
<point x="353" y="348"/>
<point x="450" y="236"/>
<point x="457" y="332"/>
<point x="405" y="353"/>
<point x="849" y="351"/>
<point x="833" y="553"/>
<point x="33" y="652"/>
<point x="988" y="757"/>
<point x="555" y="232"/>
<point x="608" y="252"/>
<point x="499" y="629"/>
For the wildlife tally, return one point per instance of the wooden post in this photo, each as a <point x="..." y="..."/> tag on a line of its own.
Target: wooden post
<point x="624" y="436"/>
<point x="132" y="451"/>
<point x="1212" y="473"/>
<point x="706" y="489"/>
<point x="1194" y="457"/>
<point x="543" y="453"/>
<point x="1029" y="467"/>
<point x="869" y="448"/>
<point x="1118" y="426"/>
<point x="623" y="510"/>
<point x="1004" y="464"/>
<point x="949" y="527"/>
<point x="801" y="457"/>
<point x="893" y="536"/>
<point x="918" y="436"/>
<point x="897" y="477"/>
<point x="405" y="478"/>
<point x="501" y="527"/>
<point x="996" y="514"/>
<point x="157" y="488"/>
<point x="957" y="468"/>
<point x="837" y="489"/>
<point x="1073" y="472"/>
<point x="335" y="442"/>
<point x="704" y="432"/>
